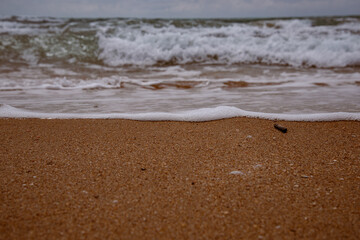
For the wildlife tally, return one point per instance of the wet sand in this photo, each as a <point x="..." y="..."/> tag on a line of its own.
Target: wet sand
<point x="229" y="179"/>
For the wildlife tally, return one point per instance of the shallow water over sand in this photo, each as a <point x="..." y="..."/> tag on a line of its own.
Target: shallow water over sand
<point x="135" y="66"/>
<point x="177" y="88"/>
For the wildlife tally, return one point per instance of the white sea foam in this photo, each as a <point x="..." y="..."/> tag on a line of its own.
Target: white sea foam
<point x="198" y="115"/>
<point x="51" y="77"/>
<point x="291" y="42"/>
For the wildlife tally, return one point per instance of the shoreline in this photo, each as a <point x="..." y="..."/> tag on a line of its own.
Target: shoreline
<point x="231" y="179"/>
<point x="195" y="115"/>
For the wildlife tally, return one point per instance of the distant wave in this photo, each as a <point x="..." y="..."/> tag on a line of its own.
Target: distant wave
<point x="312" y="42"/>
<point x="294" y="42"/>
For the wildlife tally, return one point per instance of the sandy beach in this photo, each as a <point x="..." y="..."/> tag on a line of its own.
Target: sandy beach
<point x="237" y="178"/>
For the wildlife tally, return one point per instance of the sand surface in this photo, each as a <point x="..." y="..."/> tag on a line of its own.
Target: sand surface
<point x="122" y="179"/>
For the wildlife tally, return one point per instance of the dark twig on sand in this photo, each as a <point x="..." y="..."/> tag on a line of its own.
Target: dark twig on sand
<point x="280" y="128"/>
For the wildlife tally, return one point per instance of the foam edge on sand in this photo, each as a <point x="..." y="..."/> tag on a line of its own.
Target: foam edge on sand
<point x="197" y="115"/>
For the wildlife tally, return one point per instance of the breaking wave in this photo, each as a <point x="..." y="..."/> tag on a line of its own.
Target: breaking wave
<point x="307" y="42"/>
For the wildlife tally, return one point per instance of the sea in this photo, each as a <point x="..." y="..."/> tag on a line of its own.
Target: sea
<point x="180" y="69"/>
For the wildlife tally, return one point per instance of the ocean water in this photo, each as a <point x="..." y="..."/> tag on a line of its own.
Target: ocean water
<point x="118" y="67"/>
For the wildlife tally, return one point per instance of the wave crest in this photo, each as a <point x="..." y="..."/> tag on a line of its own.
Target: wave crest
<point x="296" y="43"/>
<point x="121" y="42"/>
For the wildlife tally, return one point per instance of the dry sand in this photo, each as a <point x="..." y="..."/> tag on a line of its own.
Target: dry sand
<point x="121" y="179"/>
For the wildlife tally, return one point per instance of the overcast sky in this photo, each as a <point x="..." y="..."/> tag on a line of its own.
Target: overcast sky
<point x="179" y="8"/>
